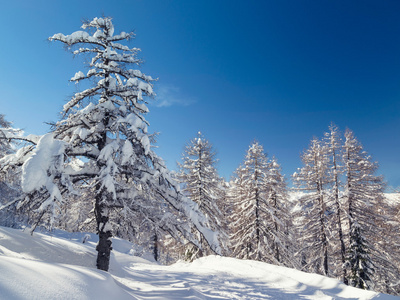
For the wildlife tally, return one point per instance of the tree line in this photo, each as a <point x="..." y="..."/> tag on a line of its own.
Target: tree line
<point x="335" y="221"/>
<point x="96" y="171"/>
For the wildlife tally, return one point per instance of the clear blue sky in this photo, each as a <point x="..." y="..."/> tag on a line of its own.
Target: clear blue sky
<point x="276" y="71"/>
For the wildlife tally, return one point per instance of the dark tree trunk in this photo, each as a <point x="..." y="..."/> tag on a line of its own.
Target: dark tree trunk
<point x="155" y="249"/>
<point x="104" y="231"/>
<point x="324" y="246"/>
<point x="324" y="239"/>
<point x="277" y="256"/>
<point x="101" y="210"/>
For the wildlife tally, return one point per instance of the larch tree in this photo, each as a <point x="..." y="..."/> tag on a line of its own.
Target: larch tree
<point x="386" y="254"/>
<point x="363" y="196"/>
<point x="279" y="205"/>
<point x="201" y="183"/>
<point x="253" y="217"/>
<point x="335" y="171"/>
<point x="225" y="209"/>
<point x="236" y="195"/>
<point x="312" y="178"/>
<point x="104" y="127"/>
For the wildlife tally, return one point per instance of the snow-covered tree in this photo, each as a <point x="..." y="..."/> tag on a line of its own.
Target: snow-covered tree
<point x="313" y="178"/>
<point x="9" y="184"/>
<point x="255" y="214"/>
<point x="236" y="195"/>
<point x="363" y="196"/>
<point x="5" y="147"/>
<point x="223" y="203"/>
<point x="386" y="254"/>
<point x="335" y="171"/>
<point x="104" y="127"/>
<point x="280" y="208"/>
<point x="201" y="183"/>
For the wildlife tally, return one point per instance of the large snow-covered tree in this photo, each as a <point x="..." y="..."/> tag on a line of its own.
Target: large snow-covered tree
<point x="104" y="128"/>
<point x="363" y="195"/>
<point x="312" y="178"/>
<point x="201" y="183"/>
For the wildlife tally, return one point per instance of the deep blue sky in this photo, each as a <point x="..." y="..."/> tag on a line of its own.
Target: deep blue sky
<point x="276" y="71"/>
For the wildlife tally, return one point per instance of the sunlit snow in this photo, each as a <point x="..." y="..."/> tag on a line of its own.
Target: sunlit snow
<point x="60" y="266"/>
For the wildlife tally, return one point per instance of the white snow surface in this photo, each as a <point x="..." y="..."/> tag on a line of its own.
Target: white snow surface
<point x="60" y="266"/>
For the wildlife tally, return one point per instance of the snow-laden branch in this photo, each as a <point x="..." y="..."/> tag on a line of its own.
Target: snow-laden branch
<point x="79" y="96"/>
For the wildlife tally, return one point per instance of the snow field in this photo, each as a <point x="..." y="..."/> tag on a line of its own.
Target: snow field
<point x="60" y="266"/>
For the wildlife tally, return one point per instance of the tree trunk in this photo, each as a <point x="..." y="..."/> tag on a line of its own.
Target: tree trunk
<point x="339" y="221"/>
<point x="274" y="198"/>
<point x="324" y="239"/>
<point x="155" y="246"/>
<point x="104" y="231"/>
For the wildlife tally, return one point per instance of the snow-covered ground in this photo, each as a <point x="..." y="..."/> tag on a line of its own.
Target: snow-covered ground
<point x="60" y="266"/>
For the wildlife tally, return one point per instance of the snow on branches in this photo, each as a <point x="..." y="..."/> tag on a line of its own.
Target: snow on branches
<point x="202" y="184"/>
<point x="109" y="65"/>
<point x="101" y="151"/>
<point x="259" y="219"/>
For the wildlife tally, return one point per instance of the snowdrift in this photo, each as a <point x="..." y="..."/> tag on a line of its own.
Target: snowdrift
<point x="60" y="266"/>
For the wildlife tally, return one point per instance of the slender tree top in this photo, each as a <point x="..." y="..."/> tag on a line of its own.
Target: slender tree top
<point x="109" y="66"/>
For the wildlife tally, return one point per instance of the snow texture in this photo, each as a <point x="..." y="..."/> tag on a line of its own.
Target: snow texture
<point x="35" y="169"/>
<point x="59" y="266"/>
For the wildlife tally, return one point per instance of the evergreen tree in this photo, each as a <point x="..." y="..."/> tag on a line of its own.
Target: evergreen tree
<point x="334" y="146"/>
<point x="363" y="196"/>
<point x="223" y="203"/>
<point x="236" y="195"/>
<point x="201" y="183"/>
<point x="280" y="207"/>
<point x="386" y="252"/>
<point x="104" y="127"/>
<point x="254" y="218"/>
<point x="313" y="179"/>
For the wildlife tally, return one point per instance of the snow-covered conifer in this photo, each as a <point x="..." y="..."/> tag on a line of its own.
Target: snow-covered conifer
<point x="280" y="207"/>
<point x="201" y="183"/>
<point x="363" y="196"/>
<point x="313" y="178"/>
<point x="104" y="127"/>
<point x="334" y="146"/>
<point x="236" y="195"/>
<point x="254" y="216"/>
<point x="386" y="254"/>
